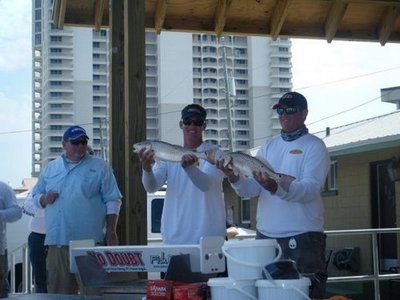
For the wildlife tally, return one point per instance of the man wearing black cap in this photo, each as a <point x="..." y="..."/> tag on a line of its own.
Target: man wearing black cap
<point x="81" y="200"/>
<point x="292" y="211"/>
<point x="194" y="205"/>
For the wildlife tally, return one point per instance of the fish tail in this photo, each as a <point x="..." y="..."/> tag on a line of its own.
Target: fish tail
<point x="210" y="155"/>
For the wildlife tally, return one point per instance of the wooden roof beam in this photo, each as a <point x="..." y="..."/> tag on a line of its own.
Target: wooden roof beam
<point x="387" y="23"/>
<point x="99" y="7"/>
<point x="159" y="15"/>
<point x="59" y="13"/>
<point x="278" y="17"/>
<point x="221" y="13"/>
<point x="335" y="15"/>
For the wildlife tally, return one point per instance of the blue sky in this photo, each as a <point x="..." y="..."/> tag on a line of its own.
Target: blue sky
<point x="341" y="78"/>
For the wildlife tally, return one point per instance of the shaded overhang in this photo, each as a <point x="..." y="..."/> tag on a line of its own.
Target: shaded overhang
<point x="356" y="20"/>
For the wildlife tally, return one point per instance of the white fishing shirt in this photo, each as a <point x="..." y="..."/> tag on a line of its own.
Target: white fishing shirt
<point x="298" y="209"/>
<point x="194" y="205"/>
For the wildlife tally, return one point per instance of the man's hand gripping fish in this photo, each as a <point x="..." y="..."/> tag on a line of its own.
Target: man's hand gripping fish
<point x="245" y="164"/>
<point x="169" y="152"/>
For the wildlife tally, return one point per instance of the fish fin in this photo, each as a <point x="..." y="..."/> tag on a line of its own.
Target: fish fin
<point x="265" y="162"/>
<point x="247" y="151"/>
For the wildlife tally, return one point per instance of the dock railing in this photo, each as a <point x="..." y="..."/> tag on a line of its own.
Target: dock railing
<point x="20" y="270"/>
<point x="376" y="276"/>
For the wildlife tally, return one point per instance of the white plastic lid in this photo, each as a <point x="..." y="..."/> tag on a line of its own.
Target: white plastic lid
<point x="284" y="283"/>
<point x="230" y="282"/>
<point x="250" y="243"/>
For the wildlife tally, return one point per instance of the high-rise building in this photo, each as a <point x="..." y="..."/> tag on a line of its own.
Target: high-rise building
<point x="71" y="85"/>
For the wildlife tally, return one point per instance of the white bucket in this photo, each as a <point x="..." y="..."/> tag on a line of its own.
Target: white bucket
<point x="287" y="289"/>
<point x="223" y="288"/>
<point x="246" y="258"/>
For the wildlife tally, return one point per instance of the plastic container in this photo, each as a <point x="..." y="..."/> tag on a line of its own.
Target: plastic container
<point x="246" y="258"/>
<point x="289" y="289"/>
<point x="225" y="288"/>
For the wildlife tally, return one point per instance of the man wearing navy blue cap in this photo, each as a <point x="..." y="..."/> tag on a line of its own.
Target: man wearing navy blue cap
<point x="291" y="211"/>
<point x="81" y="200"/>
<point x="194" y="205"/>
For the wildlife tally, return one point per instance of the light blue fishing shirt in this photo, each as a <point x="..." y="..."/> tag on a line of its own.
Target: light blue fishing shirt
<point x="9" y="212"/>
<point x="86" y="189"/>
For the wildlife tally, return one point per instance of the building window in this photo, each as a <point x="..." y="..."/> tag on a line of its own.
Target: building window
<point x="331" y="180"/>
<point x="245" y="211"/>
<point x="332" y="177"/>
<point x="55" y="38"/>
<point x="56" y="61"/>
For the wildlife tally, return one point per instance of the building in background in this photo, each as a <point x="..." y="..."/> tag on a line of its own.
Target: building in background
<point x="71" y="85"/>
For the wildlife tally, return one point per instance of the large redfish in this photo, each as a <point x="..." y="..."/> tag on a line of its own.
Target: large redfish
<point x="245" y="164"/>
<point x="169" y="152"/>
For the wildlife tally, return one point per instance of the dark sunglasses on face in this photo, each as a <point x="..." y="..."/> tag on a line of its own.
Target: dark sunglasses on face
<point x="196" y="122"/>
<point x="78" y="141"/>
<point x="287" y="110"/>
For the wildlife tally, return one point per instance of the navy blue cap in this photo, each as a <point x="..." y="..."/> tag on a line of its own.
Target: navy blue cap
<point x="194" y="111"/>
<point x="74" y="132"/>
<point x="292" y="99"/>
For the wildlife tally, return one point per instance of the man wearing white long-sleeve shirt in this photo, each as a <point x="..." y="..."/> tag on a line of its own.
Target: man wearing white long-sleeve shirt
<point x="291" y="213"/>
<point x="194" y="205"/>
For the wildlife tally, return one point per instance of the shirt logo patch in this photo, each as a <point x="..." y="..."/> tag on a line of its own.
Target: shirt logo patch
<point x="296" y="151"/>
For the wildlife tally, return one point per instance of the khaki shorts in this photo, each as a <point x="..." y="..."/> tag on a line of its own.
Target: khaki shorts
<point x="60" y="280"/>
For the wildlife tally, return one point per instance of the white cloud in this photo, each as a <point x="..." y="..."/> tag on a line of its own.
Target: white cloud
<point x="15" y="34"/>
<point x="344" y="79"/>
<point x="16" y="140"/>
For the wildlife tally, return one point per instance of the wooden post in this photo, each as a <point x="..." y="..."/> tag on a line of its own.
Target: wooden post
<point x="135" y="225"/>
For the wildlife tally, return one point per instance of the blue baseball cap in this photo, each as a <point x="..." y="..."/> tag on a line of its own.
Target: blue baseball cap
<point x="74" y="132"/>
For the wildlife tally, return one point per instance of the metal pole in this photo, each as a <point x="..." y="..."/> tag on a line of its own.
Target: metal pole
<point x="375" y="259"/>
<point x="227" y="96"/>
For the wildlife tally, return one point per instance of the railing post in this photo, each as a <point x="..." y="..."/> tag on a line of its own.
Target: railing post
<point x="375" y="260"/>
<point x="26" y="271"/>
<point x="12" y="273"/>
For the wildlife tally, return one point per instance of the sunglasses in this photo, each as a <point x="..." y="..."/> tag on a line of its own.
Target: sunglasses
<point x="78" y="141"/>
<point x="196" y="122"/>
<point x="287" y="110"/>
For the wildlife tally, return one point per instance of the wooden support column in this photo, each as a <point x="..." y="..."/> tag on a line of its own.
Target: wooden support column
<point x="117" y="100"/>
<point x="135" y="197"/>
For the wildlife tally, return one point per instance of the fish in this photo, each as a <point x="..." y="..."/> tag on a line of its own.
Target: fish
<point x="245" y="164"/>
<point x="164" y="151"/>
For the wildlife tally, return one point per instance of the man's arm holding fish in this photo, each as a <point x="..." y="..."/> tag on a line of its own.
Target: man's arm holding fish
<point x="199" y="178"/>
<point x="312" y="178"/>
<point x="243" y="186"/>
<point x="152" y="181"/>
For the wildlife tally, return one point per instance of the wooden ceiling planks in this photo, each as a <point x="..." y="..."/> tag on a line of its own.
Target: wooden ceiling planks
<point x="360" y="20"/>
